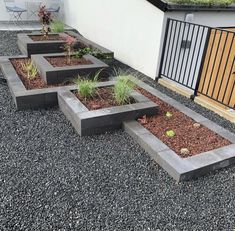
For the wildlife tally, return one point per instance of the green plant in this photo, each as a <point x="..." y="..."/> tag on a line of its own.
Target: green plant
<point x="123" y="88"/>
<point x="79" y="54"/>
<point x="57" y="26"/>
<point x="30" y="69"/>
<point x="204" y="2"/>
<point x="170" y="133"/>
<point x="168" y="115"/>
<point x="87" y="87"/>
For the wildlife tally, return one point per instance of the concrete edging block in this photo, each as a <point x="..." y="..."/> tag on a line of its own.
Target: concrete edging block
<point x="30" y="99"/>
<point x="56" y="75"/>
<point x="98" y="121"/>
<point x="182" y="169"/>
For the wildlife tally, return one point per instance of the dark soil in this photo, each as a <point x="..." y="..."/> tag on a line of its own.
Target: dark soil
<point x="196" y="139"/>
<point x="36" y="83"/>
<point x="46" y="38"/>
<point x="62" y="61"/>
<point x="103" y="99"/>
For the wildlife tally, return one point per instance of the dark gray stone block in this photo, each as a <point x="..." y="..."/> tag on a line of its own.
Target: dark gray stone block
<point x="30" y="99"/>
<point x="56" y="75"/>
<point x="182" y="169"/>
<point x="29" y="47"/>
<point x="98" y="121"/>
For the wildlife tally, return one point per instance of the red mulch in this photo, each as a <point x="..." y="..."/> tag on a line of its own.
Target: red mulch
<point x="196" y="140"/>
<point x="103" y="99"/>
<point x="35" y="83"/>
<point x="62" y="61"/>
<point x="46" y="38"/>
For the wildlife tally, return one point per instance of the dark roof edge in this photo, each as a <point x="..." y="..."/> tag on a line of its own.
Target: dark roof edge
<point x="164" y="6"/>
<point x="159" y="4"/>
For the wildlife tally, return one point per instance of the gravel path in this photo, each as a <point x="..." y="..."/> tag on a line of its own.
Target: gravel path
<point x="51" y="179"/>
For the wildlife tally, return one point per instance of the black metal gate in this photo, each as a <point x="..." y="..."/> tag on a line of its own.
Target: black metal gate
<point x="192" y="56"/>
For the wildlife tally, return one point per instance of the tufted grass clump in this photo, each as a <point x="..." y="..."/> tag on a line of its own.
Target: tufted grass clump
<point x="87" y="87"/>
<point x="123" y="88"/>
<point x="57" y="26"/>
<point x="30" y="69"/>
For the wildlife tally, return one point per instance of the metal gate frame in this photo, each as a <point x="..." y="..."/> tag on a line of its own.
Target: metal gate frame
<point x="184" y="40"/>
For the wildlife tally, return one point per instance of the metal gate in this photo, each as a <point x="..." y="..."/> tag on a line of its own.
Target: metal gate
<point x="200" y="58"/>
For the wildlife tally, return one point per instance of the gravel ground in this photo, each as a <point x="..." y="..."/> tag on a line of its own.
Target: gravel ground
<point x="51" y="179"/>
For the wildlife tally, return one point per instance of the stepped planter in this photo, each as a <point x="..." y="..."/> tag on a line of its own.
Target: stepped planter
<point x="54" y="69"/>
<point x="35" y="43"/>
<point x="98" y="116"/>
<point x="30" y="94"/>
<point x="183" y="142"/>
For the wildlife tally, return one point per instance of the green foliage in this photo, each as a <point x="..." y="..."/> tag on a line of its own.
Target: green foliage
<point x="204" y="2"/>
<point x="81" y="52"/>
<point x="170" y="133"/>
<point x="95" y="52"/>
<point x="123" y="88"/>
<point x="169" y="115"/>
<point x="30" y="69"/>
<point x="57" y="26"/>
<point x="87" y="87"/>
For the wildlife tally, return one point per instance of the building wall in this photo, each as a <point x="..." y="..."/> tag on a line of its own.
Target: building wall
<point x="132" y="29"/>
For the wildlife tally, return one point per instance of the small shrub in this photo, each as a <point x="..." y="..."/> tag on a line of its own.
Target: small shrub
<point x="169" y="115"/>
<point x="30" y="69"/>
<point x="122" y="89"/>
<point x="170" y="133"/>
<point x="45" y="19"/>
<point x="81" y="52"/>
<point x="57" y="26"/>
<point x="68" y="47"/>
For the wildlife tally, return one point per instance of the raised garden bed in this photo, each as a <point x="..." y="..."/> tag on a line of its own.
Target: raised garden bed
<point x="30" y="94"/>
<point x="100" y="115"/>
<point x="56" y="72"/>
<point x="36" y="43"/>
<point x="209" y="147"/>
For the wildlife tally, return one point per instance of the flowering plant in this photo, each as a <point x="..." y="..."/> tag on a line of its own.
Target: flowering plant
<point x="45" y="19"/>
<point x="68" y="47"/>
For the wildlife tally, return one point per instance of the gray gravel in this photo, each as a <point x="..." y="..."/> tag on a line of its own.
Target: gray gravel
<point x="51" y="179"/>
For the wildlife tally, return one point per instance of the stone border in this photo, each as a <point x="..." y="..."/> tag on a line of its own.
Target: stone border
<point x="99" y="121"/>
<point x="182" y="169"/>
<point x="56" y="75"/>
<point x="29" y="99"/>
<point x="29" y="47"/>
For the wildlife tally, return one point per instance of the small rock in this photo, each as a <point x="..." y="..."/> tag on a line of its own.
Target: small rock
<point x="196" y="125"/>
<point x="184" y="151"/>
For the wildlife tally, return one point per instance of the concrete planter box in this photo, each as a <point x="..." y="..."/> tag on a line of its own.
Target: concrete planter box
<point x="56" y="75"/>
<point x="29" y="99"/>
<point x="182" y="169"/>
<point x="98" y="121"/>
<point x="29" y="47"/>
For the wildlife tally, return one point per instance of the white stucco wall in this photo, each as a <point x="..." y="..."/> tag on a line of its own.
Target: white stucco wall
<point x="130" y="28"/>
